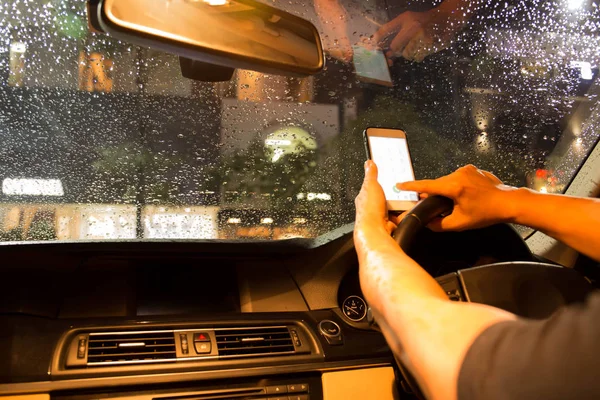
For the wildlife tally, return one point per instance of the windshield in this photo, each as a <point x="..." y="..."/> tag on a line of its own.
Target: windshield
<point x="104" y="140"/>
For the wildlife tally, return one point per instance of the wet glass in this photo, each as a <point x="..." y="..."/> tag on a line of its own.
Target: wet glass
<point x="105" y="140"/>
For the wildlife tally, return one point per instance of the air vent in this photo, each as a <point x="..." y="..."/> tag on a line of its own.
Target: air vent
<point x="252" y="342"/>
<point x="131" y="347"/>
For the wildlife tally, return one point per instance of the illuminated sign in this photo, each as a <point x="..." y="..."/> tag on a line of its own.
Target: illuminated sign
<point x="586" y="69"/>
<point x="313" y="196"/>
<point x="32" y="187"/>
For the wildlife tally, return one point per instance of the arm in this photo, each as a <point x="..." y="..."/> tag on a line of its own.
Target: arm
<point x="334" y="19"/>
<point x="480" y="199"/>
<point x="429" y="333"/>
<point x="572" y="220"/>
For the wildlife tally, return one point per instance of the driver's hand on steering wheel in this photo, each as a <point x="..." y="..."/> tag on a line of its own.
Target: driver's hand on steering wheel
<point x="480" y="198"/>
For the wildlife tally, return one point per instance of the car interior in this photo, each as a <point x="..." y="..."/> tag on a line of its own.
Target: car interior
<point x="178" y="184"/>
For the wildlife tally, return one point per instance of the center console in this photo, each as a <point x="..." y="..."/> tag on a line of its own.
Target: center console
<point x="291" y="387"/>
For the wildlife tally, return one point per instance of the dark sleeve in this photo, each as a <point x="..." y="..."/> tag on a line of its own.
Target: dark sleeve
<point x="557" y="358"/>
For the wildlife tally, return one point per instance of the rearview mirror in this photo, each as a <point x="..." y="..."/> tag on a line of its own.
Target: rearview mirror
<point x="231" y="33"/>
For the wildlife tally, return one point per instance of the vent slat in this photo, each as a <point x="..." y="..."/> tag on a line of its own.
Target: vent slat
<point x="257" y="334"/>
<point x="125" y="344"/>
<point x="116" y="345"/>
<point x="251" y="331"/>
<point x="94" y="339"/>
<point x="282" y="340"/>
<point x="254" y="342"/>
<point x="153" y="346"/>
<point x="130" y="335"/>
<point x="150" y="354"/>
<point x="275" y="348"/>
<point x="121" y="350"/>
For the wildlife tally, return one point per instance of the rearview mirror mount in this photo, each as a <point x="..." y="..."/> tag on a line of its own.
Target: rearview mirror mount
<point x="201" y="71"/>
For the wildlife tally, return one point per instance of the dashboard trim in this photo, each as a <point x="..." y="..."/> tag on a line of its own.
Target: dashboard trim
<point x="465" y="292"/>
<point x="115" y="381"/>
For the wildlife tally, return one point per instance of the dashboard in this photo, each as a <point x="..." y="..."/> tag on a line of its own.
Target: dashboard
<point x="188" y="319"/>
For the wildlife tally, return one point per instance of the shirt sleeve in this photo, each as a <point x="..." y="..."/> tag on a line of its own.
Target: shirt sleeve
<point x="556" y="358"/>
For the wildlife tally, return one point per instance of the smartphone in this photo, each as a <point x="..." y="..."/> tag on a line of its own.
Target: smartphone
<point x="388" y="148"/>
<point x="371" y="66"/>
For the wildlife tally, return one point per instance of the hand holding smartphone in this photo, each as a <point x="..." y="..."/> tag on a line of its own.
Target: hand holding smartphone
<point x="388" y="148"/>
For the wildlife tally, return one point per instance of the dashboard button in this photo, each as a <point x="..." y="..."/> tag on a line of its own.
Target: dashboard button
<point x="298" y="397"/>
<point x="332" y="332"/>
<point x="295" y="337"/>
<point x="184" y="343"/>
<point x="298" y="388"/>
<point x="202" y="347"/>
<point x="81" y="348"/>
<point x="329" y="328"/>
<point x="201" y="337"/>
<point x="276" y="389"/>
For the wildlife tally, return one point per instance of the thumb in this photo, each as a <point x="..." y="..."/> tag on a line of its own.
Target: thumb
<point x="370" y="171"/>
<point x="449" y="223"/>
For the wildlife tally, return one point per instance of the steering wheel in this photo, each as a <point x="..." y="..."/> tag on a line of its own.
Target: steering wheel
<point x="529" y="289"/>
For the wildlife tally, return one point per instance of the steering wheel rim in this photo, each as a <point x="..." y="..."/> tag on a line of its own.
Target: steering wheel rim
<point x="418" y="218"/>
<point x="415" y="220"/>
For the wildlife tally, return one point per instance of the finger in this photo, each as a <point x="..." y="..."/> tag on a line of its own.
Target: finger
<point x="439" y="225"/>
<point x="370" y="202"/>
<point x="370" y="172"/>
<point x="429" y="186"/>
<point x="448" y="186"/>
<point x="403" y="37"/>
<point x="369" y="180"/>
<point x="397" y="218"/>
<point x="390" y="226"/>
<point x="436" y="225"/>
<point x="411" y="48"/>
<point x="448" y="223"/>
<point x="423" y="195"/>
<point x="387" y="29"/>
<point x="424" y="48"/>
<point x="347" y="55"/>
<point x="420" y="55"/>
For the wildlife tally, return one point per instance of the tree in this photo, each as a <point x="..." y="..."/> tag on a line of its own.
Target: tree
<point x="118" y="171"/>
<point x="254" y="176"/>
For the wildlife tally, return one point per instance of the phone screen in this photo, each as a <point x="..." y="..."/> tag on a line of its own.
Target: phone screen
<point x="371" y="64"/>
<point x="394" y="165"/>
